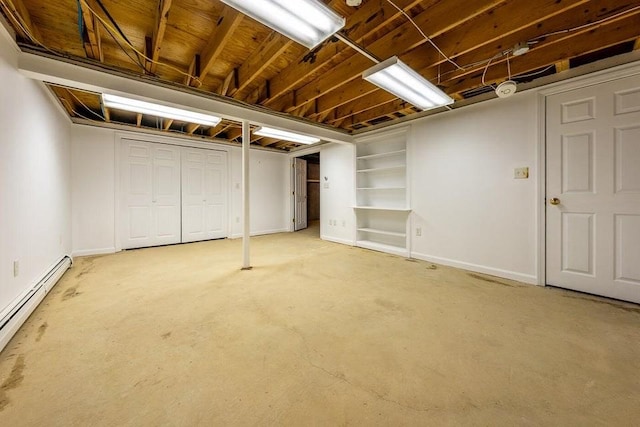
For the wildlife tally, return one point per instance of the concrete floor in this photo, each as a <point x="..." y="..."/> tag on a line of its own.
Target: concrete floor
<point x="316" y="334"/>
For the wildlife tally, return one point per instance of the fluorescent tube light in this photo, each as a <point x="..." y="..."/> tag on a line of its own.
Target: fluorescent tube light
<point x="396" y="77"/>
<point x="287" y="136"/>
<point x="136" y="106"/>
<point x="309" y="22"/>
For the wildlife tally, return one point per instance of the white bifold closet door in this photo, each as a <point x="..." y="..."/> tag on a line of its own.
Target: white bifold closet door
<point x="150" y="185"/>
<point x="204" y="194"/>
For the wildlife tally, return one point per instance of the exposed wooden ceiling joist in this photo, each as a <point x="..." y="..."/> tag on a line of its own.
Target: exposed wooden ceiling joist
<point x="438" y="18"/>
<point x="226" y="25"/>
<point x="242" y="59"/>
<point x="91" y="32"/>
<point x="19" y="15"/>
<point x="369" y="18"/>
<point x="162" y="16"/>
<point x="471" y="52"/>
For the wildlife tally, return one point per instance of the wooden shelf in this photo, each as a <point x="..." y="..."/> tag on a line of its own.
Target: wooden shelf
<point x="381" y="247"/>
<point x="314" y="181"/>
<point x="381" y="194"/>
<point x="382" y="232"/>
<point x="386" y="168"/>
<point x="380" y="208"/>
<point x="381" y="155"/>
<point x="381" y="188"/>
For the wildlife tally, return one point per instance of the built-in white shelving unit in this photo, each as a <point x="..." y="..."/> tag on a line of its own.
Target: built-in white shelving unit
<point x="382" y="207"/>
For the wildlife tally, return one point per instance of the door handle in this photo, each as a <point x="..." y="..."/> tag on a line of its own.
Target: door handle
<point x="554" y="201"/>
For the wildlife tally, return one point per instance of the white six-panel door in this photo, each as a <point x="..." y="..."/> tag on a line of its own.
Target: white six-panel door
<point x="204" y="194"/>
<point x="150" y="185"/>
<point x="593" y="189"/>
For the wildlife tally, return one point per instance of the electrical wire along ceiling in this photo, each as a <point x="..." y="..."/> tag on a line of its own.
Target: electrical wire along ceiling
<point x="330" y="69"/>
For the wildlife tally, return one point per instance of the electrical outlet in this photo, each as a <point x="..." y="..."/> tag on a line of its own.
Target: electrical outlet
<point x="419" y="231"/>
<point x="16" y="268"/>
<point x="326" y="185"/>
<point x="344" y="223"/>
<point x="521" y="173"/>
<point x="237" y="220"/>
<point x="237" y="185"/>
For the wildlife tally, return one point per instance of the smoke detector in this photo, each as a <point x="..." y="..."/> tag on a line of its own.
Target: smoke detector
<point x="506" y="89"/>
<point x="354" y="3"/>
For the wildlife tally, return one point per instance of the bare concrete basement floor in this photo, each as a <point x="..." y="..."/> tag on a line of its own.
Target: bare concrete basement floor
<point x="316" y="334"/>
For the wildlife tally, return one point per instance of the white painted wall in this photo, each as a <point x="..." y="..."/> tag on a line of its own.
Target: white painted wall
<point x="35" y="200"/>
<point x="95" y="178"/>
<point x="337" y="193"/>
<point x="269" y="192"/>
<point x="472" y="212"/>
<point x="93" y="173"/>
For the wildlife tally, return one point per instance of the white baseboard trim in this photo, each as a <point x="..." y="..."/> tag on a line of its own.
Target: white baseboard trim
<point x="520" y="277"/>
<point x="261" y="233"/>
<point x="89" y="252"/>
<point x="338" y="240"/>
<point x="12" y="318"/>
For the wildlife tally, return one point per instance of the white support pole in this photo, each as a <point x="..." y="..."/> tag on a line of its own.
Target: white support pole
<point x="246" y="142"/>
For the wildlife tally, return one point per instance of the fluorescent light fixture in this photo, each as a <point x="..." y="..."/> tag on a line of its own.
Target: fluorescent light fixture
<point x="287" y="136"/>
<point x="136" y="106"/>
<point x="309" y="22"/>
<point x="398" y="78"/>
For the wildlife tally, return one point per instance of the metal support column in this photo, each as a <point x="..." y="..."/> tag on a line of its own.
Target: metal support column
<point x="246" y="142"/>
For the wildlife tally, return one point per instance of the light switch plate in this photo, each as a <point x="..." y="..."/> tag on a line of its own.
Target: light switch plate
<point x="521" y="173"/>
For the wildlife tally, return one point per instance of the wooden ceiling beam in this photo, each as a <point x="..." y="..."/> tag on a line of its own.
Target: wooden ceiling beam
<point x="362" y="104"/>
<point x="227" y="23"/>
<point x="571" y="16"/>
<point x="302" y="110"/>
<point x="191" y="128"/>
<point x="234" y="133"/>
<point x="322" y="116"/>
<point x="376" y="112"/>
<point x="269" y="50"/>
<point x="514" y="30"/>
<point x="636" y="45"/>
<point x="438" y="19"/>
<point x="229" y="84"/>
<point x="570" y="19"/>
<point x="570" y="45"/>
<point x="214" y="131"/>
<point x="65" y="98"/>
<point x="91" y="37"/>
<point x="562" y="65"/>
<point x="368" y="19"/>
<point x="166" y="124"/>
<point x="16" y="8"/>
<point x="139" y="120"/>
<point x="266" y="142"/>
<point x="162" y="16"/>
<point x="192" y="70"/>
<point x="107" y="115"/>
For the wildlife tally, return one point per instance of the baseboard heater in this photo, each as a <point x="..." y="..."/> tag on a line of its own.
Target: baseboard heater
<point x="15" y="315"/>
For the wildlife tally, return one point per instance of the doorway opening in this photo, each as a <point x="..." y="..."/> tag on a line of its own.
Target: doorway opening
<point x="306" y="176"/>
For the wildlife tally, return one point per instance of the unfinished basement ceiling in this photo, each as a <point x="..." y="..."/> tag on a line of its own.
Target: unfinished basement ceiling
<point x="208" y="46"/>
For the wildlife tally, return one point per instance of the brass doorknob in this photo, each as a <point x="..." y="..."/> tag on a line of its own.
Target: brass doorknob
<point x="554" y="201"/>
